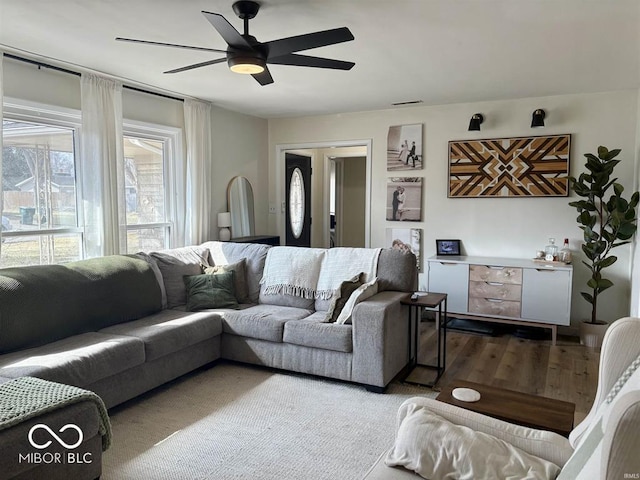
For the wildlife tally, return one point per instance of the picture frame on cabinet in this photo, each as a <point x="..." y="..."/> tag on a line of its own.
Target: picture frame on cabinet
<point x="448" y="247"/>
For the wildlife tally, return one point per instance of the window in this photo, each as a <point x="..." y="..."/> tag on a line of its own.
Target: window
<point x="147" y="153"/>
<point x="42" y="214"/>
<point x="40" y="209"/>
<point x="296" y="203"/>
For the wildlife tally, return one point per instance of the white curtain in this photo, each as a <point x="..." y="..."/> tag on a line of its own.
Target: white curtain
<point x="102" y="167"/>
<point x="197" y="124"/>
<point x="1" y="192"/>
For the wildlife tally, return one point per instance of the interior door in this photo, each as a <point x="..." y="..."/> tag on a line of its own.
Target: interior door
<point x="298" y="200"/>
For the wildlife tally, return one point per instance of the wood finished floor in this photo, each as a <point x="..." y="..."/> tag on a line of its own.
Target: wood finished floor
<point x="567" y="371"/>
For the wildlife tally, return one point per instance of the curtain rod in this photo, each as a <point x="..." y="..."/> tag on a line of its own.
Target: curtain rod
<point x="77" y="74"/>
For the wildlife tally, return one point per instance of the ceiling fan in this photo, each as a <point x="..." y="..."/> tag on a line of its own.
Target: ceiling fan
<point x="245" y="54"/>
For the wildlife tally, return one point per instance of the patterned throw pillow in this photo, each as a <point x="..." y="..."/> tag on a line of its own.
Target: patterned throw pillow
<point x="340" y="299"/>
<point x="239" y="276"/>
<point x="360" y="294"/>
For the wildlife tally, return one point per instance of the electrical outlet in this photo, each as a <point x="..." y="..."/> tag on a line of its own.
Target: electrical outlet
<point x="273" y="209"/>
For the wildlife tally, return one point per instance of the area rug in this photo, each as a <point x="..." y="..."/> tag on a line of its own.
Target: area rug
<point x="241" y="422"/>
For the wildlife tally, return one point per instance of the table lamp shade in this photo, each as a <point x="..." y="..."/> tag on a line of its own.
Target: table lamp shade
<point x="224" y="219"/>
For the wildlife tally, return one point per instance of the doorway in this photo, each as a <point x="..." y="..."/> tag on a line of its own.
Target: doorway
<point x="331" y="204"/>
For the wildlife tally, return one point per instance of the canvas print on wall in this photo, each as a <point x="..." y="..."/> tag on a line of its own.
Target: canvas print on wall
<point x="404" y="199"/>
<point x="406" y="240"/>
<point x="404" y="147"/>
<point x="510" y="167"/>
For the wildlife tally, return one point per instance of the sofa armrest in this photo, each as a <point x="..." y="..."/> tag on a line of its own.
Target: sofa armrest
<point x="540" y="443"/>
<point x="380" y="339"/>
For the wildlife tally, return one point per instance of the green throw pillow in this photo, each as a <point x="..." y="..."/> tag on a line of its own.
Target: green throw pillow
<point x="210" y="291"/>
<point x="340" y="299"/>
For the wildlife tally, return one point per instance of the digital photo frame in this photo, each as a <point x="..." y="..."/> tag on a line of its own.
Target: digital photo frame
<point x="447" y="247"/>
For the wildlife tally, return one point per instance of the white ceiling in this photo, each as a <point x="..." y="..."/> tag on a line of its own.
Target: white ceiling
<point x="437" y="51"/>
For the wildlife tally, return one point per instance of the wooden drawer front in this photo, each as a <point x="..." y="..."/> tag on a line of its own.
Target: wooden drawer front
<point x="485" y="273"/>
<point x="501" y="291"/>
<point x="490" y="306"/>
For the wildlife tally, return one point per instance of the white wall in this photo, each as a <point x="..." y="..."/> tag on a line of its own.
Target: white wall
<point x="239" y="141"/>
<point x="508" y="227"/>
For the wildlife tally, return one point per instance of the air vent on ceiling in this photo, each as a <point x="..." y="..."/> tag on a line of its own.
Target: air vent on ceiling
<point x="411" y="102"/>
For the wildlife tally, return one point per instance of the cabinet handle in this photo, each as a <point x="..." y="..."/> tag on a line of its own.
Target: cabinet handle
<point x="448" y="264"/>
<point x="495" y="284"/>
<point x="494" y="267"/>
<point x="494" y="300"/>
<point x="548" y="269"/>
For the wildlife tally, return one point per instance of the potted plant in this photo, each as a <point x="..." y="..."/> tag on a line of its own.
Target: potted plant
<point x="608" y="221"/>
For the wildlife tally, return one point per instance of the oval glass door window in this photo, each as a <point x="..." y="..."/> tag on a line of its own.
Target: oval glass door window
<point x="296" y="203"/>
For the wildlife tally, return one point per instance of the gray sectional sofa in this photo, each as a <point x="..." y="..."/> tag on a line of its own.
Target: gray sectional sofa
<point x="118" y="325"/>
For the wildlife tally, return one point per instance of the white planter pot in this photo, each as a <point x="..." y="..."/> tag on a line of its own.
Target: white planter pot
<point x="591" y="334"/>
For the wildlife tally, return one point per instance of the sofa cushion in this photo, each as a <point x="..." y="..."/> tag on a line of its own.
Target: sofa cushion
<point x="156" y="271"/>
<point x="79" y="360"/>
<point x="397" y="271"/>
<point x="170" y="330"/>
<point x="175" y="264"/>
<point x="241" y="291"/>
<point x="285" y="300"/>
<point x="210" y="291"/>
<point x="44" y="303"/>
<point x="314" y="332"/>
<point x="265" y="322"/>
<point x="224" y="253"/>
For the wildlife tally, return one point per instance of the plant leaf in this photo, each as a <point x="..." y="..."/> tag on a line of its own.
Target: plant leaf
<point x="587" y="296"/>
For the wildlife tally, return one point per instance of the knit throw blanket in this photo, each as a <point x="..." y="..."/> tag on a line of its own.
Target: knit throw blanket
<point x="342" y="263"/>
<point x="27" y="397"/>
<point x="292" y="271"/>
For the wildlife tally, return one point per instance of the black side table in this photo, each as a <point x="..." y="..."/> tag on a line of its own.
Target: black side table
<point x="431" y="301"/>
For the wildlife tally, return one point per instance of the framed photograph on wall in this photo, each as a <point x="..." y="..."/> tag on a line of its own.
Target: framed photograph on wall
<point x="404" y="199"/>
<point x="405" y="147"/>
<point x="406" y="240"/>
<point x="448" y="247"/>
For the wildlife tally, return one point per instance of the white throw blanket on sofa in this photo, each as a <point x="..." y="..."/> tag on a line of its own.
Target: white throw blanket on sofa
<point x="343" y="263"/>
<point x="292" y="271"/>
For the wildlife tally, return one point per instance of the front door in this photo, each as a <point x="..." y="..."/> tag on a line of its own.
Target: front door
<point x="298" y="200"/>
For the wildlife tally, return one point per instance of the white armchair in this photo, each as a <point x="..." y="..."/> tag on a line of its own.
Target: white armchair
<point x="605" y="445"/>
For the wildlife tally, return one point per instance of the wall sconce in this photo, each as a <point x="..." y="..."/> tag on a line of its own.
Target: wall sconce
<point x="475" y="122"/>
<point x="537" y="119"/>
<point x="224" y="222"/>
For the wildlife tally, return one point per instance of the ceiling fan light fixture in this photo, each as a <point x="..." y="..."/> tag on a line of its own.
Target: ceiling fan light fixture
<point x="246" y="65"/>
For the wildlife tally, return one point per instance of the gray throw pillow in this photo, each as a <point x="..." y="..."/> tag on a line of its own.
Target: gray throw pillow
<point x="210" y="291"/>
<point x="174" y="265"/>
<point x="340" y="299"/>
<point x="239" y="277"/>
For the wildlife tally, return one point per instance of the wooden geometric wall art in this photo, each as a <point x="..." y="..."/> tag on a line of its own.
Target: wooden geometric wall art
<point x="510" y="167"/>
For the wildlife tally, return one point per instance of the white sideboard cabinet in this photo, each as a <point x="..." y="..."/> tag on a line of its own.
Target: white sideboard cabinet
<point x="504" y="290"/>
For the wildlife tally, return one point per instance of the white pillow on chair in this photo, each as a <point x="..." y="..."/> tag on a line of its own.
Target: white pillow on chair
<point x="435" y="448"/>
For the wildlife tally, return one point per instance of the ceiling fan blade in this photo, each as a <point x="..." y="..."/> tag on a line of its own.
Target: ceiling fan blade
<point x="226" y="30"/>
<point x="162" y="44"/>
<point x="197" y="65"/>
<point x="277" y="48"/>
<point x="263" y="78"/>
<point x="308" y="61"/>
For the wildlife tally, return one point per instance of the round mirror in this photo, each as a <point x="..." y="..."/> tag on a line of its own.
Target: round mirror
<point x="240" y="205"/>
